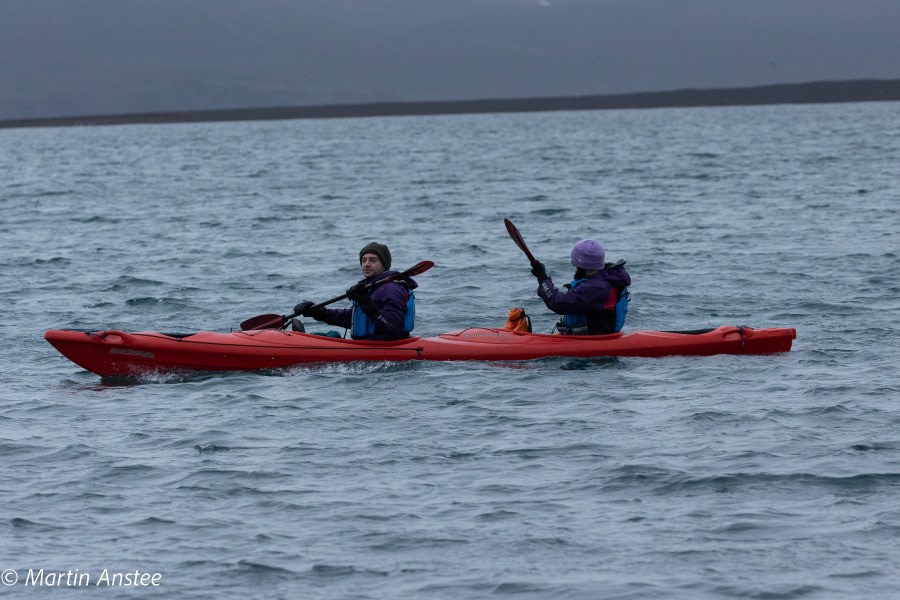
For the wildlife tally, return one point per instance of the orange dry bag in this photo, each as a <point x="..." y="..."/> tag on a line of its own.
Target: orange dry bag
<point x="518" y="320"/>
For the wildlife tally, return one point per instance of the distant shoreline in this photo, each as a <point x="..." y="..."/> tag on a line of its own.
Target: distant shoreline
<point x="864" y="90"/>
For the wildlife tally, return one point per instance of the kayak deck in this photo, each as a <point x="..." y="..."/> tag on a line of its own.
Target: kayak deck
<point x="112" y="353"/>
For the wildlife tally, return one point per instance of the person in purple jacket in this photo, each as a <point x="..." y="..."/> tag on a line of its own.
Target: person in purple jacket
<point x="385" y="312"/>
<point x="597" y="298"/>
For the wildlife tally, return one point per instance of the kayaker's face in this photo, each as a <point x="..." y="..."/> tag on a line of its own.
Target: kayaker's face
<point x="371" y="265"/>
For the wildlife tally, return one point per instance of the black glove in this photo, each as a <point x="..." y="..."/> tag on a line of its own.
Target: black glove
<point x="304" y="306"/>
<point x="538" y="270"/>
<point x="303" y="309"/>
<point x="358" y="291"/>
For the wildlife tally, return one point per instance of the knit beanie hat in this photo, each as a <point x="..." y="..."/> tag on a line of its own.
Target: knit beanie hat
<point x="379" y="250"/>
<point x="589" y="255"/>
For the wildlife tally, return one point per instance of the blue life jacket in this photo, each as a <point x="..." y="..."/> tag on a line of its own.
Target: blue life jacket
<point x="362" y="326"/>
<point x="577" y="323"/>
<point x="622" y="308"/>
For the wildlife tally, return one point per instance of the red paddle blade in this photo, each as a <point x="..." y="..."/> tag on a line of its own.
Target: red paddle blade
<point x="518" y="239"/>
<point x="418" y="269"/>
<point x="263" y="322"/>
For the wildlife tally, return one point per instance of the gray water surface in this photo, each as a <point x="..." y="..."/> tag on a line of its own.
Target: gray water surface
<point x="721" y="477"/>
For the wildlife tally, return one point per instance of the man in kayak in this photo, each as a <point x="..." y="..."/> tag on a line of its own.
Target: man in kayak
<point x="385" y="312"/>
<point x="597" y="298"/>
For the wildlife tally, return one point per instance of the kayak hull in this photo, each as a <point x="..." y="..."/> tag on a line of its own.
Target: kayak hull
<point x="113" y="353"/>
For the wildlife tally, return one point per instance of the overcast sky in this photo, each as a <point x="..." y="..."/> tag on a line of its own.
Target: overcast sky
<point x="89" y="57"/>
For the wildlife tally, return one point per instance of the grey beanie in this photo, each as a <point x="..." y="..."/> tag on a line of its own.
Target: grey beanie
<point x="379" y="250"/>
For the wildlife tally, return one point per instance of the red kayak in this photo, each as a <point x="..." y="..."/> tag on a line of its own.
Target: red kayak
<point x="117" y="353"/>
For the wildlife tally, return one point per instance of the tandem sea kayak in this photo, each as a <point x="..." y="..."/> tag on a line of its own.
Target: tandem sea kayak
<point x="114" y="353"/>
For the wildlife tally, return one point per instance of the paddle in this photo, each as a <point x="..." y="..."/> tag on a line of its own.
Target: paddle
<point x="517" y="238"/>
<point x="273" y="321"/>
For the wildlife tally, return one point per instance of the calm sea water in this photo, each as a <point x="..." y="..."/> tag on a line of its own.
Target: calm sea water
<point x="722" y="477"/>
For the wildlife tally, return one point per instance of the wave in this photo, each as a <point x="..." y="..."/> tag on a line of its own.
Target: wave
<point x="663" y="482"/>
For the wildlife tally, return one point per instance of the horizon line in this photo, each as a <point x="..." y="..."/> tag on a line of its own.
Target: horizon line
<point x="816" y="92"/>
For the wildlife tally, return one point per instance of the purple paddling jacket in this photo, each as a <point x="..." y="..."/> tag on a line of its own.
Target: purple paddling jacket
<point x="595" y="297"/>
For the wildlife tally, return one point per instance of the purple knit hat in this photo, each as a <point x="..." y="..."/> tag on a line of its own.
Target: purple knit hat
<point x="589" y="255"/>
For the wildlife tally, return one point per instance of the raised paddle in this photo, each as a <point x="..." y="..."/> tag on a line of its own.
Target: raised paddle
<point x="517" y="238"/>
<point x="273" y="321"/>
